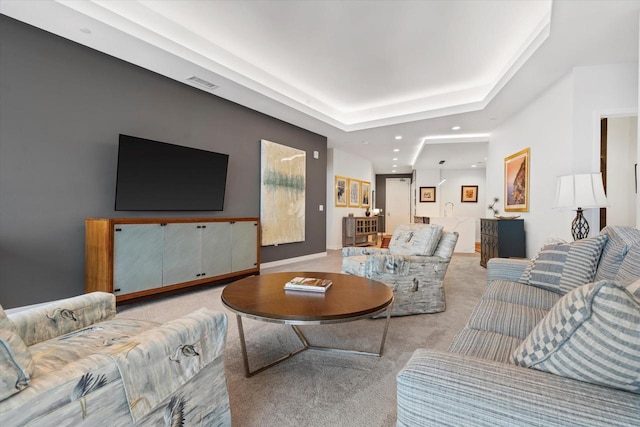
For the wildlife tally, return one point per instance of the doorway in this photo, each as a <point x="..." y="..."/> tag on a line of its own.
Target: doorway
<point x="618" y="154"/>
<point x="398" y="203"/>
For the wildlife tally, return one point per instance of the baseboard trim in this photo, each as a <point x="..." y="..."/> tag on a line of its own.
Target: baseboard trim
<point x="292" y="260"/>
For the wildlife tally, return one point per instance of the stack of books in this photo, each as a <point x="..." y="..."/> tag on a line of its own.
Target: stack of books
<point x="309" y="284"/>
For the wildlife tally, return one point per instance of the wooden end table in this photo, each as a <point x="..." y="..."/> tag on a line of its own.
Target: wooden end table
<point x="264" y="298"/>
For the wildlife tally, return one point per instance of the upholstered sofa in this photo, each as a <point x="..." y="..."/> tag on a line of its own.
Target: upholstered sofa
<point x="71" y="363"/>
<point x="413" y="266"/>
<point x="543" y="347"/>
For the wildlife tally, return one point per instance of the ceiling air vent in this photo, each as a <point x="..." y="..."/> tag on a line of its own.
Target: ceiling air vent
<point x="202" y="82"/>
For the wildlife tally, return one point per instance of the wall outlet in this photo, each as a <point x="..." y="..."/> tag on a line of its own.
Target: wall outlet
<point x="316" y="155"/>
<point x="321" y="208"/>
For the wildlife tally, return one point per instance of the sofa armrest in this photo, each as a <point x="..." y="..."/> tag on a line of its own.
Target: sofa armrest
<point x="506" y="269"/>
<point x="358" y="250"/>
<point x="46" y="321"/>
<point x="157" y="362"/>
<point x="438" y="388"/>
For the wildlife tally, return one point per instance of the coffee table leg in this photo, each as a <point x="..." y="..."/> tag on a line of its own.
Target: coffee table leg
<point x="247" y="372"/>
<point x="307" y="345"/>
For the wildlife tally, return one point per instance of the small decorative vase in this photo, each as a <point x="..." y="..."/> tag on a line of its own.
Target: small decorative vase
<point x="367" y="212"/>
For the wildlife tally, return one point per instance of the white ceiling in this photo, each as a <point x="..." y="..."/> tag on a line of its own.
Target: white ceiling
<point x="360" y="72"/>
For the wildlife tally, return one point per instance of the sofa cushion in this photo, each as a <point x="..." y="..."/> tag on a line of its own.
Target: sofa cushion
<point x="415" y="239"/>
<point x="485" y="345"/>
<point x="562" y="267"/>
<point x="620" y="240"/>
<point x="629" y="270"/>
<point x="592" y="335"/>
<point x="505" y="318"/>
<point x="16" y="364"/>
<point x="54" y="354"/>
<point x="517" y="293"/>
<point x="354" y="265"/>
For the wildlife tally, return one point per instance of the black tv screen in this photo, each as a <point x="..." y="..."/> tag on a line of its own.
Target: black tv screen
<point x="156" y="176"/>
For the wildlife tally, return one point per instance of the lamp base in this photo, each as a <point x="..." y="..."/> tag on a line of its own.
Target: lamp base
<point x="579" y="226"/>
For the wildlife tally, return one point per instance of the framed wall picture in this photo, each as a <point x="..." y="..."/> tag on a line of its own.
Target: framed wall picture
<point x="341" y="191"/>
<point x="427" y="194"/>
<point x="469" y="194"/>
<point x="365" y="188"/>
<point x="516" y="182"/>
<point x="354" y="193"/>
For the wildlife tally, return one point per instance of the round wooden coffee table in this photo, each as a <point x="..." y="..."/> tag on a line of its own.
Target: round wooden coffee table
<point x="264" y="298"/>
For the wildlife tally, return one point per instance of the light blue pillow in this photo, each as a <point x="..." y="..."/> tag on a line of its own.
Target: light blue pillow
<point x="562" y="267"/>
<point x="415" y="239"/>
<point x="592" y="334"/>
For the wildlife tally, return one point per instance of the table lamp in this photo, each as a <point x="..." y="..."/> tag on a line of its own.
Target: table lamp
<point x="580" y="191"/>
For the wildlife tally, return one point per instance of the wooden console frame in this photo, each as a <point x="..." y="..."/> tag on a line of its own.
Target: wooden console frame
<point x="99" y="255"/>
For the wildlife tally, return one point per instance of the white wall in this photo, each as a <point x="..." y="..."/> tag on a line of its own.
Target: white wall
<point x="350" y="166"/>
<point x="561" y="127"/>
<point x="622" y="141"/>
<point x="451" y="191"/>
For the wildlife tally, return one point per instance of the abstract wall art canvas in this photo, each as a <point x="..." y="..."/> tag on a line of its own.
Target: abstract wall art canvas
<point x="282" y="193"/>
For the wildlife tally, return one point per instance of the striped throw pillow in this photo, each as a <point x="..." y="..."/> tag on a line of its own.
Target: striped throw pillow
<point x="563" y="267"/>
<point x="620" y="240"/>
<point x="592" y="334"/>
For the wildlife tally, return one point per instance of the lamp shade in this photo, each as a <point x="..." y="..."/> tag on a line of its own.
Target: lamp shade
<point x="580" y="191"/>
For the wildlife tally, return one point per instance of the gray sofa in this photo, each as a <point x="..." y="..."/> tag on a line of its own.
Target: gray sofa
<point x="71" y="362"/>
<point x="523" y="359"/>
<point x="413" y="266"/>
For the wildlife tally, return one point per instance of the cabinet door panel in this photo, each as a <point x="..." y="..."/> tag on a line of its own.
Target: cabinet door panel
<point x="245" y="240"/>
<point x="181" y="260"/>
<point x="137" y="257"/>
<point x="216" y="249"/>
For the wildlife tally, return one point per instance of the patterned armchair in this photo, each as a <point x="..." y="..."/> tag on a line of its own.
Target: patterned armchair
<point x="413" y="266"/>
<point x="71" y="362"/>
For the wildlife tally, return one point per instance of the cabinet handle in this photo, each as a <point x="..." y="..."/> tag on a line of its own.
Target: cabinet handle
<point x="118" y="229"/>
<point x="203" y="274"/>
<point x="204" y="226"/>
<point x="198" y="275"/>
<point x="116" y="290"/>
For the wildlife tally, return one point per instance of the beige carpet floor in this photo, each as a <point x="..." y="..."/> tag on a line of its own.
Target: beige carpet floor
<point x="317" y="388"/>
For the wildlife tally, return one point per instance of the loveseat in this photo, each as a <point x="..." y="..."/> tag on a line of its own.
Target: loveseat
<point x="554" y="341"/>
<point x="413" y="266"/>
<point x="72" y="363"/>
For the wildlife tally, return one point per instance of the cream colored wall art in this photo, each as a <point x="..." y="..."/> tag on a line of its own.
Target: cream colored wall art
<point x="282" y="193"/>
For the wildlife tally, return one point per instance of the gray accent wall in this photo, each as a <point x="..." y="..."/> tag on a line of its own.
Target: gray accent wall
<point x="62" y="107"/>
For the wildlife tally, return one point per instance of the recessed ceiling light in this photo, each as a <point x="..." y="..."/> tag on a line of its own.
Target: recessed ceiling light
<point x="395" y="158"/>
<point x="395" y="166"/>
<point x="365" y="142"/>
<point x="85" y="30"/>
<point x="399" y="137"/>
<point x="394" y="171"/>
<point x="395" y="150"/>
<point x="456" y="128"/>
<point x="473" y="166"/>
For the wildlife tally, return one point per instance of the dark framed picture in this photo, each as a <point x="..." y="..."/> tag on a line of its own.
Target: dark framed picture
<point x="469" y="194"/>
<point x="427" y="194"/>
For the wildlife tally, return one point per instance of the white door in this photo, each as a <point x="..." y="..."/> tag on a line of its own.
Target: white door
<point x="398" y="203"/>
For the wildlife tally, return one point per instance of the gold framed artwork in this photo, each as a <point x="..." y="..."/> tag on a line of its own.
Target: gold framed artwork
<point x="354" y="193"/>
<point x="341" y="191"/>
<point x="365" y="188"/>
<point x="469" y="194"/>
<point x="427" y="194"/>
<point x="516" y="181"/>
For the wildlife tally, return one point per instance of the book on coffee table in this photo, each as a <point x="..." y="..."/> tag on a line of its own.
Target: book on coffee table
<point x="309" y="284"/>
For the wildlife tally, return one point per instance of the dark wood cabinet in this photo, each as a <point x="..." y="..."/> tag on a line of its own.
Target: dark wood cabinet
<point x="501" y="238"/>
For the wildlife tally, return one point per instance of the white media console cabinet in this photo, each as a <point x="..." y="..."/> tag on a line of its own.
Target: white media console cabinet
<point x="137" y="257"/>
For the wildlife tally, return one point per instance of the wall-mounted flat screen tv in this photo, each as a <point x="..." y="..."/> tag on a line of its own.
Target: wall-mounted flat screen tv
<point x="156" y="176"/>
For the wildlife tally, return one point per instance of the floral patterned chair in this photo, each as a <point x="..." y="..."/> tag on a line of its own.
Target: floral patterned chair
<point x="70" y="362"/>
